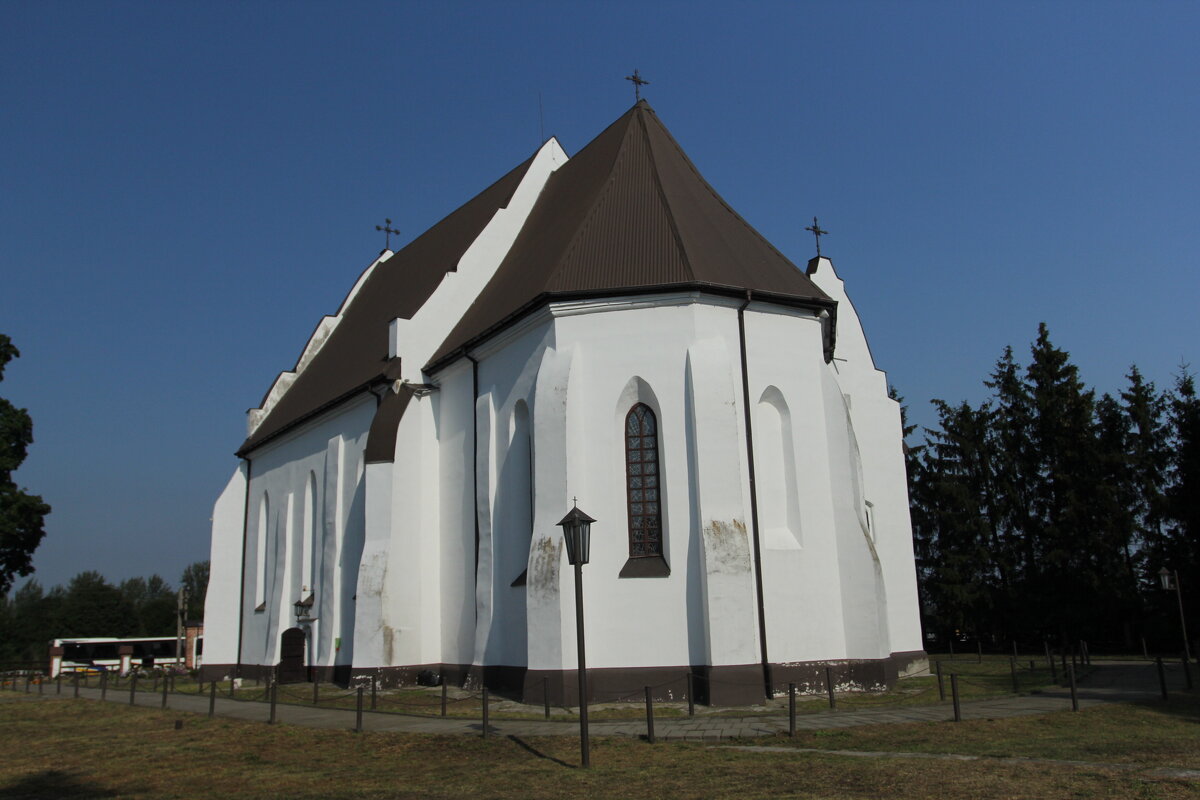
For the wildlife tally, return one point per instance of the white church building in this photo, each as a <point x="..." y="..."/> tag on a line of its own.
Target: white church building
<point x="601" y="327"/>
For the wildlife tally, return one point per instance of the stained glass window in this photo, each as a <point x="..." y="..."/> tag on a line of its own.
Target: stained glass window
<point x="641" y="482"/>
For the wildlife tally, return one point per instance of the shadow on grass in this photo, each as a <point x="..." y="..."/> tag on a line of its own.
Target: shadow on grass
<point x="53" y="784"/>
<point x="1181" y="704"/>
<point x="528" y="748"/>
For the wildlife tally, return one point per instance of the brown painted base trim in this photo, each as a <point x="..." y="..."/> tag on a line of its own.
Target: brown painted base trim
<point x="339" y="674"/>
<point x="726" y="685"/>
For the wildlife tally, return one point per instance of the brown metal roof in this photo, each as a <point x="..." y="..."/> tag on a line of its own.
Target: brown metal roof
<point x="628" y="213"/>
<point x="356" y="353"/>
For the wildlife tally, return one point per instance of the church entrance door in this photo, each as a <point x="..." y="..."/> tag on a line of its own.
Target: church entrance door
<point x="291" y="657"/>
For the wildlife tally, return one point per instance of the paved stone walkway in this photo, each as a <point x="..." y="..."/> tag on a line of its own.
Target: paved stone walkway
<point x="1108" y="682"/>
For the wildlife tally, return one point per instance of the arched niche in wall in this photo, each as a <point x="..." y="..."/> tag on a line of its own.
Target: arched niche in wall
<point x="775" y="472"/>
<point x="516" y="500"/>
<point x="260" y="553"/>
<point x="309" y="543"/>
<point x="643" y="473"/>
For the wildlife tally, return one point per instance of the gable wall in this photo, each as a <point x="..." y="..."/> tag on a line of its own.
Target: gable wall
<point x="330" y="448"/>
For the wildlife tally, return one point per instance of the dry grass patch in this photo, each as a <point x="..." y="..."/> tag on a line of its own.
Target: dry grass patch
<point x="1127" y="733"/>
<point x="77" y="748"/>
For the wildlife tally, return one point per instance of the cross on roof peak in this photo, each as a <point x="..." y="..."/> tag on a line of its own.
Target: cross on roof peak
<point x="817" y="234"/>
<point x="638" y="83"/>
<point x="389" y="230"/>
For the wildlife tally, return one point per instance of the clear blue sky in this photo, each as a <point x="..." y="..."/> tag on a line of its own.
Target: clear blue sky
<point x="186" y="188"/>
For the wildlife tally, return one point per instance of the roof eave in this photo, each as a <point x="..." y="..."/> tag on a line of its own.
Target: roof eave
<point x="546" y="298"/>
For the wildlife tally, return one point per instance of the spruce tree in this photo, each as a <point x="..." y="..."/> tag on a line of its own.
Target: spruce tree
<point x="1181" y="545"/>
<point x="1148" y="451"/>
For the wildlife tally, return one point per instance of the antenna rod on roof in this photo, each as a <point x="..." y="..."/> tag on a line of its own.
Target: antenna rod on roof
<point x="638" y="83"/>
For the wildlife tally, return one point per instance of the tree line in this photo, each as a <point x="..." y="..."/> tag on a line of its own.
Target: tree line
<point x="89" y="605"/>
<point x="1046" y="512"/>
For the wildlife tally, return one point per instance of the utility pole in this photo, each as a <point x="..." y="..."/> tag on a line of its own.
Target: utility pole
<point x="182" y="601"/>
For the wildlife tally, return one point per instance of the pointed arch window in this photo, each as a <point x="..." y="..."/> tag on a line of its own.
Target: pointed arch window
<point x="642" y="483"/>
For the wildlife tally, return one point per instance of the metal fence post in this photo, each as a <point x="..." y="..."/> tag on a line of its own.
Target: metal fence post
<point x="941" y="684"/>
<point x="979" y="643"/>
<point x="954" y="694"/>
<point x="1053" y="671"/>
<point x="212" y="699"/>
<point x="132" y="688"/>
<point x="58" y="683"/>
<point x="358" y="711"/>
<point x="374" y="692"/>
<point x="1162" y="677"/>
<point x="829" y="687"/>
<point x="444" y="695"/>
<point x="485" y="712"/>
<point x="316" y="690"/>
<point x="104" y="686"/>
<point x="791" y="709"/>
<point x="545" y="696"/>
<point x="164" y="691"/>
<point x="1016" y="683"/>
<point x="272" y="695"/>
<point x="1187" y="672"/>
<point x="1074" y="697"/>
<point x="691" y="690"/>
<point x="649" y="717"/>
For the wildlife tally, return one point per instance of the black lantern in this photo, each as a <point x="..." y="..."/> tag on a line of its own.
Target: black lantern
<point x="304" y="609"/>
<point x="577" y="530"/>
<point x="1170" y="583"/>
<point x="1167" y="579"/>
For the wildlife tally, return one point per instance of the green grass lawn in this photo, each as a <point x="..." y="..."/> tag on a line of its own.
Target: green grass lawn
<point x="64" y="748"/>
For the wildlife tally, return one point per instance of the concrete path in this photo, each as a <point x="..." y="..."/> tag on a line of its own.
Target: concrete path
<point x="1108" y="682"/>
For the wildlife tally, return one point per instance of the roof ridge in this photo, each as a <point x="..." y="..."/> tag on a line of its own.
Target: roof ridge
<point x="662" y="195"/>
<point x="717" y="195"/>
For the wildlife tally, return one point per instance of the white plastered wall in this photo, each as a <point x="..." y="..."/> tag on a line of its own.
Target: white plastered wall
<point x="330" y="448"/>
<point x="876" y="424"/>
<point x="224" y="576"/>
<point x="801" y="579"/>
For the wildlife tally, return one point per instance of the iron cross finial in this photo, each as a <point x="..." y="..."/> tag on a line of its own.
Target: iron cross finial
<point x="389" y="230"/>
<point x="638" y="83"/>
<point x="817" y="234"/>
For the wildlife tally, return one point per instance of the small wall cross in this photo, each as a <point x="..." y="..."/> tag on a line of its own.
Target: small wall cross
<point x="389" y="230"/>
<point x="817" y="234"/>
<point x="638" y="83"/>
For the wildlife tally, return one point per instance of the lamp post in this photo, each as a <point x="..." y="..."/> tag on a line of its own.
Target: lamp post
<point x="1170" y="580"/>
<point x="577" y="530"/>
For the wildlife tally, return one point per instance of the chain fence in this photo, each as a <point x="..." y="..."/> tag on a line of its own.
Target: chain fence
<point x="951" y="680"/>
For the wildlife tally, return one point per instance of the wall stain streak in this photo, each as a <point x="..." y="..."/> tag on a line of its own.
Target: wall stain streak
<point x="727" y="547"/>
<point x="543" y="571"/>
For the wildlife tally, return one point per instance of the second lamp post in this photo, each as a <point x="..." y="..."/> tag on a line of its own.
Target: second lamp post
<point x="577" y="530"/>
